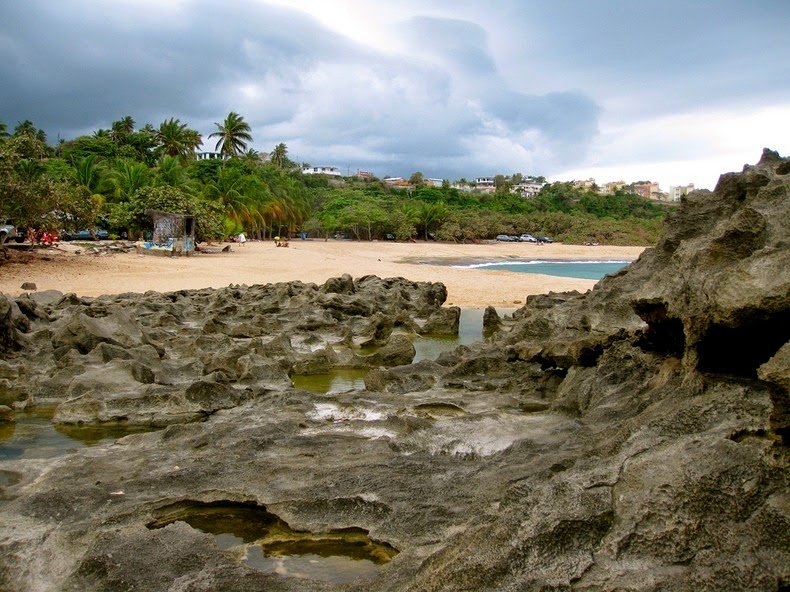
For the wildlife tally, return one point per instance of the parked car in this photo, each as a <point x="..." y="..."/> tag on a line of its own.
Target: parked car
<point x="8" y="232"/>
<point x="84" y="235"/>
<point x="544" y="239"/>
<point x="504" y="238"/>
<point x="389" y="237"/>
<point x="527" y="238"/>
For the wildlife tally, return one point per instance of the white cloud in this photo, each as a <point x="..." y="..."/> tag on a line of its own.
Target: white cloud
<point x="689" y="147"/>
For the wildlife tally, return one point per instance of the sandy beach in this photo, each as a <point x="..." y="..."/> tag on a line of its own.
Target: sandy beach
<point x="311" y="261"/>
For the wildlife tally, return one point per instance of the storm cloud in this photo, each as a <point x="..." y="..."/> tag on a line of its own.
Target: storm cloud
<point x="465" y="88"/>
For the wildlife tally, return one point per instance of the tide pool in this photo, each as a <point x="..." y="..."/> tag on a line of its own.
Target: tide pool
<point x="588" y="270"/>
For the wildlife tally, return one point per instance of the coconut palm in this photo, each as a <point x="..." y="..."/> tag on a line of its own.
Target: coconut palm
<point x="128" y="178"/>
<point x="233" y="134"/>
<point x="122" y="128"/>
<point x="170" y="172"/>
<point x="280" y="155"/>
<point x="241" y="197"/>
<point x="176" y="139"/>
<point x="27" y="128"/>
<point x="88" y="173"/>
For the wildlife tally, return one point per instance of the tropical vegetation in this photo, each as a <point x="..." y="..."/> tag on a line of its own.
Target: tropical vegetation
<point x="110" y="178"/>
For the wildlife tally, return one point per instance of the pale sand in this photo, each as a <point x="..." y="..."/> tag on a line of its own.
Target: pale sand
<point x="312" y="261"/>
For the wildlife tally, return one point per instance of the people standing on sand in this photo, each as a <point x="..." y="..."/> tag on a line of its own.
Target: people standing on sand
<point x="242" y="238"/>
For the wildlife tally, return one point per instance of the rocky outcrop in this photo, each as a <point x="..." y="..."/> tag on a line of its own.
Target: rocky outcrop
<point x="133" y="358"/>
<point x="632" y="438"/>
<point x="7" y="331"/>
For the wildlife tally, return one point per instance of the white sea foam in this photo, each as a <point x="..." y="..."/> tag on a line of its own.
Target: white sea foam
<point x="538" y="262"/>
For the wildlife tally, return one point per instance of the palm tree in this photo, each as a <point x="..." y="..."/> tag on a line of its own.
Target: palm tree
<point x="26" y="128"/>
<point x="241" y="197"/>
<point x="122" y="128"/>
<point x="128" y="178"/>
<point x="170" y="172"/>
<point x="280" y="155"/>
<point x="431" y="216"/>
<point x="232" y="134"/>
<point x="176" y="139"/>
<point x="3" y="131"/>
<point x="88" y="173"/>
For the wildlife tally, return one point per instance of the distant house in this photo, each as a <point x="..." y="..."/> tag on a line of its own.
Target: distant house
<point x="322" y="170"/>
<point x="646" y="189"/>
<point x="678" y="191"/>
<point x="482" y="182"/>
<point x="528" y="188"/>
<point x="209" y="156"/>
<point x="433" y="182"/>
<point x="365" y="174"/>
<point x="612" y="187"/>
<point x="585" y="183"/>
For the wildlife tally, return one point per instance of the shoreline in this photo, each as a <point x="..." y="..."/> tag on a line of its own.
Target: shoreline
<point x="313" y="261"/>
<point x="469" y="263"/>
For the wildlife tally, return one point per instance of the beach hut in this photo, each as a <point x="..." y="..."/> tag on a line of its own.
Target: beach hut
<point x="174" y="234"/>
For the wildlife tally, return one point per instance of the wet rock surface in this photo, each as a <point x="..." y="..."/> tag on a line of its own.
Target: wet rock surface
<point x="631" y="438"/>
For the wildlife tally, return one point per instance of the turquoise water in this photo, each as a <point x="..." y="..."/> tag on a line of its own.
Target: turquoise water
<point x="588" y="270"/>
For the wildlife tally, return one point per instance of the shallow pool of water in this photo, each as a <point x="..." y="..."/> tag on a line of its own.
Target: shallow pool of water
<point x="335" y="381"/>
<point x="33" y="435"/>
<point x="426" y="347"/>
<point x="270" y="545"/>
<point x="470" y="329"/>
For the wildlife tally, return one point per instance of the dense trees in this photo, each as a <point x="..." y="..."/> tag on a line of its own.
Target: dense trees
<point x="110" y="178"/>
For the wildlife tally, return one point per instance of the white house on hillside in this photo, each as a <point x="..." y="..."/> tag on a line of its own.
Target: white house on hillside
<point x="322" y="170"/>
<point x="209" y="156"/>
<point x="528" y="188"/>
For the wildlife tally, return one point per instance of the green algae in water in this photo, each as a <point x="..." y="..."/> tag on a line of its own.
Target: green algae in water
<point x="335" y="381"/>
<point x="337" y="556"/>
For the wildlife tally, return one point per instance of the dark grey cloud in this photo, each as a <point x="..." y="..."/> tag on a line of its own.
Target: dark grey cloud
<point x="663" y="55"/>
<point x="73" y="67"/>
<point x="508" y="85"/>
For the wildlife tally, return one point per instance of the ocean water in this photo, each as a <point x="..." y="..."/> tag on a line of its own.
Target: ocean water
<point x="588" y="270"/>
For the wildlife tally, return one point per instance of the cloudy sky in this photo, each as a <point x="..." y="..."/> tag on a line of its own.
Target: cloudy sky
<point x="671" y="90"/>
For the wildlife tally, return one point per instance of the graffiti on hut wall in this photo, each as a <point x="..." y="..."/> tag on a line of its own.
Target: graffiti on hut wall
<point x="174" y="234"/>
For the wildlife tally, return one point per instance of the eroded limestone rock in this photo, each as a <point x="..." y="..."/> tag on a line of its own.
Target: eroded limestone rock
<point x="632" y="438"/>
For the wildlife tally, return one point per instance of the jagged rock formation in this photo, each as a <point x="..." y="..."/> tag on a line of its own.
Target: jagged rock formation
<point x="632" y="438"/>
<point x="156" y="359"/>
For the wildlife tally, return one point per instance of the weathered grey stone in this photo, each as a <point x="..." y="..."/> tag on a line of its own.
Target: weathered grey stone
<point x="8" y="339"/>
<point x="633" y="438"/>
<point x="444" y="321"/>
